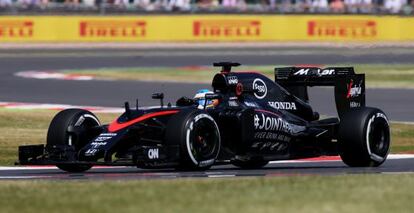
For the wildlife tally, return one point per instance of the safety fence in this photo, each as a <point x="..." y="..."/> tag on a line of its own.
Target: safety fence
<point x="199" y="28"/>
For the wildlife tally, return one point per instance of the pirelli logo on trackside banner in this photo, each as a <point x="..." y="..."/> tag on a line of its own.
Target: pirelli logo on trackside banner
<point x="226" y="28"/>
<point x="342" y="28"/>
<point x="112" y="29"/>
<point x="16" y="29"/>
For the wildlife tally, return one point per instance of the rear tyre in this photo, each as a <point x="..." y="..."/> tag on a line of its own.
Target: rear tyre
<point x="364" y="137"/>
<point x="58" y="133"/>
<point x="198" y="136"/>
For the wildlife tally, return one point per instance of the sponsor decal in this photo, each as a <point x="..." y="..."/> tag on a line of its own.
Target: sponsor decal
<point x="100" y="140"/>
<point x="354" y="90"/>
<point x="232" y="80"/>
<point x="270" y="146"/>
<point x="80" y="121"/>
<point x="302" y="72"/>
<point x="206" y="162"/>
<point x="354" y="104"/>
<point x="381" y="115"/>
<point x="233" y="103"/>
<point x="342" y="28"/>
<point x="153" y="153"/>
<point x="259" y="88"/>
<point x="108" y="134"/>
<point x="378" y="115"/>
<point x="227" y="28"/>
<point x="283" y="105"/>
<point x="98" y="143"/>
<point x="250" y="104"/>
<point x="272" y="136"/>
<point x="112" y="29"/>
<point x="16" y="29"/>
<point x="263" y="122"/>
<point x="318" y="72"/>
<point x="91" y="152"/>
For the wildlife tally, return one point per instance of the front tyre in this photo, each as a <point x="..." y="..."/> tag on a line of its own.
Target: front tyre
<point x="198" y="136"/>
<point x="364" y="137"/>
<point x="58" y="134"/>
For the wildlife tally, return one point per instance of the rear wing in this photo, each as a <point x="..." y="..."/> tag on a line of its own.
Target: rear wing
<point x="349" y="87"/>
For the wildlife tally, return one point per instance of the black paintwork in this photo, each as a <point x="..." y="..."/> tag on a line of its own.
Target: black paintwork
<point x="257" y="117"/>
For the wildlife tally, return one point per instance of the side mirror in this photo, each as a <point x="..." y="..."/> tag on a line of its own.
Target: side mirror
<point x="127" y="110"/>
<point x="210" y="97"/>
<point x="159" y="96"/>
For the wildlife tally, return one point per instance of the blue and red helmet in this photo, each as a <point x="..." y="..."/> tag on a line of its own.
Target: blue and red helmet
<point x="201" y="100"/>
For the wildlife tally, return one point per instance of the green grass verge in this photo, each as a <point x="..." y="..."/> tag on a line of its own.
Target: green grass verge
<point x="377" y="75"/>
<point x="23" y="127"/>
<point x="402" y="137"/>
<point x="351" y="193"/>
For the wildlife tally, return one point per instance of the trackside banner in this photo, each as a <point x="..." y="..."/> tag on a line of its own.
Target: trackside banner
<point x="198" y="28"/>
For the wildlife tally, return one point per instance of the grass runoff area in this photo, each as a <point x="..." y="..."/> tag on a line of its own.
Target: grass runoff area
<point x="377" y="75"/>
<point x="308" y="194"/>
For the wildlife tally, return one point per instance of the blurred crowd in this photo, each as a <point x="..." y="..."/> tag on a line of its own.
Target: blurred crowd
<point x="271" y="6"/>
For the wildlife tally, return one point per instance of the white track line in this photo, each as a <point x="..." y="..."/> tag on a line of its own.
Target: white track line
<point x="24" y="177"/>
<point x="54" y="75"/>
<point x="220" y="176"/>
<point x="391" y="156"/>
<point x="12" y="168"/>
<point x="400" y="156"/>
<point x="403" y="122"/>
<point x="2" y="168"/>
<point x="46" y="106"/>
<point x="58" y="107"/>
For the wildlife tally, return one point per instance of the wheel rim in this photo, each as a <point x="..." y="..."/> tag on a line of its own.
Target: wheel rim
<point x="204" y="140"/>
<point x="379" y="138"/>
<point x="85" y="121"/>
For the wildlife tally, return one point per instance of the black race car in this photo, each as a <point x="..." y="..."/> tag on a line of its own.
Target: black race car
<point x="248" y="120"/>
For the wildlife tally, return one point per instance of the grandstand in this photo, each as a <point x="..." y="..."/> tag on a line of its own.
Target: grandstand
<point x="396" y="7"/>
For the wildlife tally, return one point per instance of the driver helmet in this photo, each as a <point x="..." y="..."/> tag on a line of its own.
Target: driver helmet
<point x="200" y="99"/>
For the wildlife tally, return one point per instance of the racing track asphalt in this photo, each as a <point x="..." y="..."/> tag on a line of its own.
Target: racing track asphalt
<point x="397" y="103"/>
<point x="326" y="168"/>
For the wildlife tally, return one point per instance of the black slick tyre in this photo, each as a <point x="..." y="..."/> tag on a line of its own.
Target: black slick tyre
<point x="198" y="136"/>
<point x="364" y="137"/>
<point x="58" y="133"/>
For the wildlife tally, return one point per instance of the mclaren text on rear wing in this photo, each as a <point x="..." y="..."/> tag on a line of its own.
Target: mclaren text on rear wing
<point x="349" y="87"/>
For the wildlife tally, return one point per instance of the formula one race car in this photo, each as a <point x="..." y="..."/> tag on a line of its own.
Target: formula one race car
<point x="247" y="120"/>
